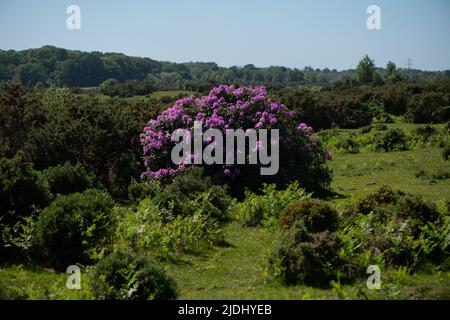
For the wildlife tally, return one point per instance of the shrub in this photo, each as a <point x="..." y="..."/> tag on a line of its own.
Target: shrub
<point x="316" y="215"/>
<point x="380" y="127"/>
<point x="391" y="140"/>
<point x="74" y="227"/>
<point x="21" y="188"/>
<point x="446" y="152"/>
<point x="348" y="145"/>
<point x="425" y="133"/>
<point x="302" y="157"/>
<point x="155" y="229"/>
<point x="265" y="209"/>
<point x="311" y="259"/>
<point x="126" y="276"/>
<point x="138" y="191"/>
<point x="172" y="205"/>
<point x="191" y="181"/>
<point x="428" y="108"/>
<point x="393" y="228"/>
<point x="66" y="179"/>
<point x="5" y="293"/>
<point x="366" y="129"/>
<point x="215" y="203"/>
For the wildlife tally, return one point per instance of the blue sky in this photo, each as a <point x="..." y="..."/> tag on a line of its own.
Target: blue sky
<point x="294" y="33"/>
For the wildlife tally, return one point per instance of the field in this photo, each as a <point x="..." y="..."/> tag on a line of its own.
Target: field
<point x="237" y="268"/>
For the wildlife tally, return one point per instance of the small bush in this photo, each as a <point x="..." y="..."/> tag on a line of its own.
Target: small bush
<point x="215" y="203"/>
<point x="391" y="140"/>
<point x="311" y="259"/>
<point x="125" y="276"/>
<point x="172" y="205"/>
<point x="425" y="133"/>
<point x="380" y="127"/>
<point x="265" y="209"/>
<point x="21" y="188"/>
<point x="393" y="228"/>
<point x="348" y="145"/>
<point x="138" y="191"/>
<point x="446" y="152"/>
<point x="366" y="129"/>
<point x="66" y="179"/>
<point x="317" y="215"/>
<point x="150" y="228"/>
<point x="192" y="181"/>
<point x="73" y="227"/>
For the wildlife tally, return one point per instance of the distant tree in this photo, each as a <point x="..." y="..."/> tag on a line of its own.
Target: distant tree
<point x="31" y="73"/>
<point x="392" y="74"/>
<point x="366" y="70"/>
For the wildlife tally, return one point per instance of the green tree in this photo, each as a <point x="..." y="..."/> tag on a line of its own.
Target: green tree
<point x="392" y="74"/>
<point x="365" y="72"/>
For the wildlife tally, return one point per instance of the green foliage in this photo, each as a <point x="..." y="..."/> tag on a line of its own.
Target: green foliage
<point x="316" y="215"/>
<point x="102" y="136"/>
<point x="74" y="228"/>
<point x="391" y="140"/>
<point x="126" y="276"/>
<point x="215" y="203"/>
<point x="113" y="88"/>
<point x="429" y="107"/>
<point x="65" y="179"/>
<point x="393" y="228"/>
<point x="348" y="145"/>
<point x="189" y="182"/>
<point x="366" y="72"/>
<point x="311" y="259"/>
<point x="21" y="190"/>
<point x="160" y="230"/>
<point x="265" y="209"/>
<point x="138" y="191"/>
<point x="446" y="152"/>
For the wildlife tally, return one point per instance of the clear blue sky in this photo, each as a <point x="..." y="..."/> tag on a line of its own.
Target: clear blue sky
<point x="294" y="33"/>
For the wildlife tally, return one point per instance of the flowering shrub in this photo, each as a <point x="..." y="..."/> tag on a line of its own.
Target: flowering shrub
<point x="301" y="156"/>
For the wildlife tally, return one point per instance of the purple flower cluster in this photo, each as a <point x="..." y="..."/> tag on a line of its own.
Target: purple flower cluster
<point x="225" y="107"/>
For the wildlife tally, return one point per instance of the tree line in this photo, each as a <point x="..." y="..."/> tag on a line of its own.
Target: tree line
<point x="51" y="66"/>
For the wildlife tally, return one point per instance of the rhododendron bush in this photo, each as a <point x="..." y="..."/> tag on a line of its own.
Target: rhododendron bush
<point x="301" y="156"/>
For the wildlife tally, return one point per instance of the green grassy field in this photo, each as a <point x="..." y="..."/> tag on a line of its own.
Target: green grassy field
<point x="154" y="95"/>
<point x="236" y="270"/>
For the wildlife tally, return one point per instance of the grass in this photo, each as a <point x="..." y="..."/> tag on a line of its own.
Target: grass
<point x="236" y="270"/>
<point x="357" y="175"/>
<point x="154" y="95"/>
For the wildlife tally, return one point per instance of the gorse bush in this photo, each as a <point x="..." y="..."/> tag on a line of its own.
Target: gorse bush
<point x="316" y="215"/>
<point x="392" y="228"/>
<point x="21" y="189"/>
<point x="66" y="179"/>
<point x="348" y="145"/>
<point x="189" y="182"/>
<point x="265" y="209"/>
<point x="391" y="140"/>
<point x="74" y="228"/>
<point x="429" y="107"/>
<point x="138" y="191"/>
<point x="301" y="157"/>
<point x="311" y="259"/>
<point x="126" y="276"/>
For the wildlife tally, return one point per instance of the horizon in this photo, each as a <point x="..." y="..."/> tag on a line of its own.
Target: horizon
<point x="318" y="34"/>
<point x="220" y="66"/>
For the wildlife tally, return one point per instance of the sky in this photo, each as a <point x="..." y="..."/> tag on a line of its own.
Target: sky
<point x="292" y="33"/>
